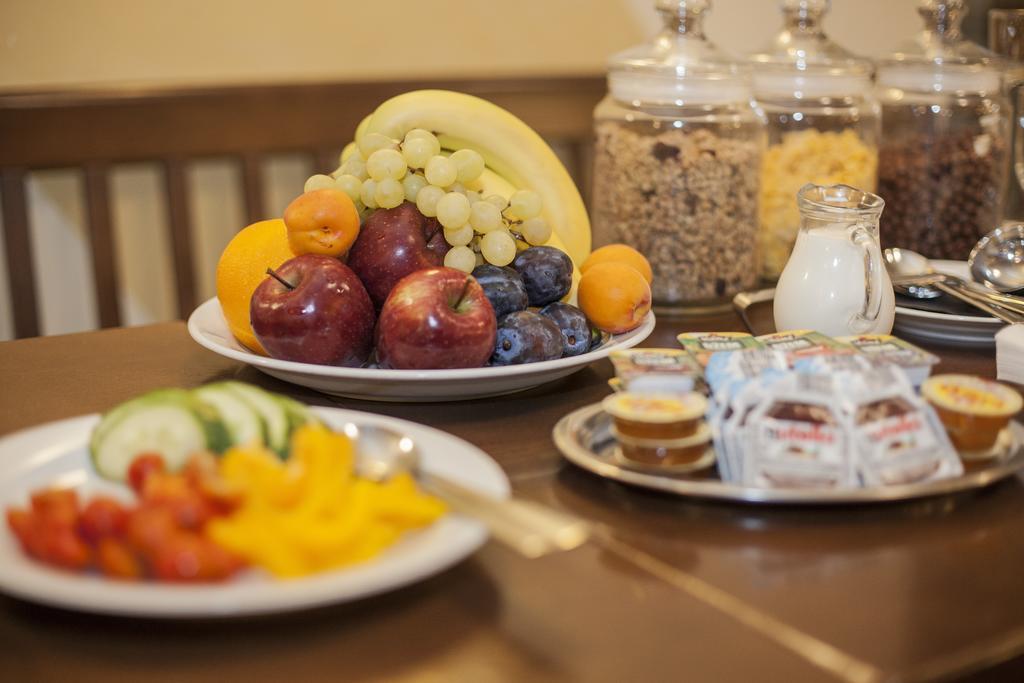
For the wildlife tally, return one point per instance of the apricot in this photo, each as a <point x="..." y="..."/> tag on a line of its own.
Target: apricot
<point x="614" y="296"/>
<point x="323" y="221"/>
<point x="620" y="253"/>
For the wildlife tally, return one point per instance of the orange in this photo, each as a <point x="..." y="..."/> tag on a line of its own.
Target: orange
<point x="242" y="266"/>
<point x="620" y="253"/>
<point x="614" y="296"/>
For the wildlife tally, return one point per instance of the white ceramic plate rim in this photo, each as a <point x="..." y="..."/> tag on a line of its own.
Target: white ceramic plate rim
<point x="958" y="268"/>
<point x="418" y="556"/>
<point x="210" y="341"/>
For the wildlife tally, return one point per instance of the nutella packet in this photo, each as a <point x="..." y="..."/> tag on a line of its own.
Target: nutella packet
<point x="833" y="364"/>
<point x="886" y="349"/>
<point x="730" y="419"/>
<point x="671" y="371"/>
<point x="798" y="344"/>
<point x="701" y="345"/>
<point x="897" y="436"/>
<point x="798" y="437"/>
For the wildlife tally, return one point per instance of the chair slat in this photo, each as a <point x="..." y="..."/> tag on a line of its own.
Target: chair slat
<point x="180" y="225"/>
<point x="252" y="187"/>
<point x="104" y="256"/>
<point x="18" y="245"/>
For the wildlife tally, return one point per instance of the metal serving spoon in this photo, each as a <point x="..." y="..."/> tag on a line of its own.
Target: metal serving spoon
<point x="997" y="260"/>
<point x="531" y="529"/>
<point x="908" y="269"/>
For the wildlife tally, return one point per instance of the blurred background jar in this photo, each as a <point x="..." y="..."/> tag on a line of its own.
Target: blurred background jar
<point x="676" y="169"/>
<point x="944" y="146"/>
<point x="1006" y="39"/>
<point x="822" y="122"/>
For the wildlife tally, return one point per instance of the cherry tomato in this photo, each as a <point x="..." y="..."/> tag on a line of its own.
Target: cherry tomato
<point x="164" y="487"/>
<point x="149" y="527"/>
<point x="183" y="557"/>
<point x="191" y="511"/>
<point x="116" y="559"/>
<point x="142" y="466"/>
<point x="21" y="523"/>
<point x="61" y="546"/>
<point x="102" y="516"/>
<point x="56" y="504"/>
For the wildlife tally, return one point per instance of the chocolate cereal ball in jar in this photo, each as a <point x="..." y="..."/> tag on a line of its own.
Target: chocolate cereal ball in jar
<point x="676" y="168"/>
<point x="942" y="157"/>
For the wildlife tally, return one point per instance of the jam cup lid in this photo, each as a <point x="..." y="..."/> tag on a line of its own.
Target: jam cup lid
<point x="655" y="408"/>
<point x="971" y="395"/>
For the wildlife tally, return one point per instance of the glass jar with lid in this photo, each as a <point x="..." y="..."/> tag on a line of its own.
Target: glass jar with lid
<point x="822" y="122"/>
<point x="943" y="151"/>
<point x="677" y="151"/>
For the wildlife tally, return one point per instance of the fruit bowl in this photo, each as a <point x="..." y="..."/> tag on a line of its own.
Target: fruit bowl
<point x="208" y="328"/>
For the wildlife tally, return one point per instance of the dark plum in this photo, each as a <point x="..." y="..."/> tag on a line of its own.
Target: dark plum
<point x="503" y="288"/>
<point x="573" y="326"/>
<point x="526" y="337"/>
<point x="546" y="272"/>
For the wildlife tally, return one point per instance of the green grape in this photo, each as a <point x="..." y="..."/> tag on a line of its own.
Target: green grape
<point x="469" y="164"/>
<point x="456" y="187"/>
<point x="427" y="200"/>
<point x="461" y="258"/>
<point x="453" y="210"/>
<point x="368" y="194"/>
<point x="374" y="141"/>
<point x="413" y="183"/>
<point x="535" y="230"/>
<point x="524" y="204"/>
<point x="459" y="237"/>
<point x="386" y="163"/>
<point x="479" y="258"/>
<point x="440" y="171"/>
<point x="356" y="167"/>
<point x="417" y="152"/>
<point x="350" y="185"/>
<point x="389" y="193"/>
<point x="354" y="154"/>
<point x="497" y="200"/>
<point x="485" y="217"/>
<point x="473" y="197"/>
<point x="421" y="133"/>
<point x="318" y="182"/>
<point x="498" y="247"/>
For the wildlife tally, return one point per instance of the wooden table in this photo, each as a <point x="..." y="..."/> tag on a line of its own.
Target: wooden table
<point x="671" y="589"/>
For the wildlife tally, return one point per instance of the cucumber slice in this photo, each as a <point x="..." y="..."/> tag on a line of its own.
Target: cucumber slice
<point x="275" y="418"/>
<point x="244" y="423"/>
<point x="171" y="422"/>
<point x="298" y="413"/>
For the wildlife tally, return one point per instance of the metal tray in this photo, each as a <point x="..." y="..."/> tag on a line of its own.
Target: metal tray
<point x="585" y="439"/>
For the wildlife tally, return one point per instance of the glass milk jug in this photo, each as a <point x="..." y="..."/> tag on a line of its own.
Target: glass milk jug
<point x="835" y="281"/>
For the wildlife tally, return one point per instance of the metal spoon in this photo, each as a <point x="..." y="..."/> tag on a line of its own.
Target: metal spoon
<point x="909" y="269"/>
<point x="532" y="529"/>
<point x="997" y="260"/>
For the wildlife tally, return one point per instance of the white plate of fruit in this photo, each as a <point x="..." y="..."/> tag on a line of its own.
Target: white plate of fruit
<point x="446" y="258"/>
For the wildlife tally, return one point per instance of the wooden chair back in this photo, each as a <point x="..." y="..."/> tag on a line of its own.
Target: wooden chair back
<point x="96" y="130"/>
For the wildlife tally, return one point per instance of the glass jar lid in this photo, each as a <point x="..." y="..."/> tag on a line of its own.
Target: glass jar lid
<point x="939" y="58"/>
<point x="680" y="67"/>
<point x="802" y="61"/>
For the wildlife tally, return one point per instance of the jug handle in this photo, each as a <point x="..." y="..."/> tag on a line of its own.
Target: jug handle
<point x="864" y="320"/>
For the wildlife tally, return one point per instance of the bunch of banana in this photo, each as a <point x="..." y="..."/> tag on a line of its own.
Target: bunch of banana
<point x="515" y="156"/>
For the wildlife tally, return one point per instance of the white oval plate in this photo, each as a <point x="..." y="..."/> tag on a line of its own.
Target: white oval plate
<point x="57" y="454"/>
<point x="946" y="328"/>
<point x="208" y="327"/>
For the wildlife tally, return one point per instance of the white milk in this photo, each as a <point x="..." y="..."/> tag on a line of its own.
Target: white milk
<point x="823" y="285"/>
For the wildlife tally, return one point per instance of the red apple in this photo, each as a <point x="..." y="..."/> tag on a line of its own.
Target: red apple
<point x="393" y="243"/>
<point x="434" y="319"/>
<point x="313" y="309"/>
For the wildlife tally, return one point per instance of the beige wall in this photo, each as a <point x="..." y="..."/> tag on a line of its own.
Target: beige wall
<point x="54" y="44"/>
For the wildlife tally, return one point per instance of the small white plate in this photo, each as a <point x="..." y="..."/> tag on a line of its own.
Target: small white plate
<point x="57" y="454"/>
<point x="946" y="328"/>
<point x="208" y="327"/>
